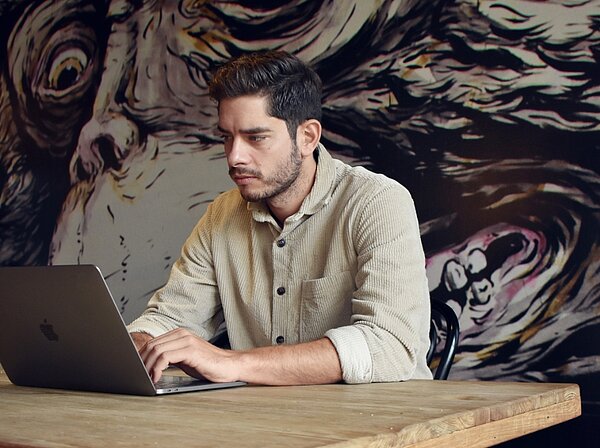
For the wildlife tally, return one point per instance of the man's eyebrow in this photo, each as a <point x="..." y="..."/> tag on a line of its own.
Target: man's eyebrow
<point x="249" y="131"/>
<point x="257" y="130"/>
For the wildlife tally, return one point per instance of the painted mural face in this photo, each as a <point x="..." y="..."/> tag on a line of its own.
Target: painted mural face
<point x="149" y="152"/>
<point x="52" y="64"/>
<point x="488" y="112"/>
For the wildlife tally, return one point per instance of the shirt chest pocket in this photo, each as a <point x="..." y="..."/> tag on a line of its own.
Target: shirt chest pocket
<point x="326" y="303"/>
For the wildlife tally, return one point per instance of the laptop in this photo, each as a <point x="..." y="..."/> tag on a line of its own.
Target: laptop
<point x="60" y="328"/>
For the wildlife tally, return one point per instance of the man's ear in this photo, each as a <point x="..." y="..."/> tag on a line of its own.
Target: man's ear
<point x="309" y="134"/>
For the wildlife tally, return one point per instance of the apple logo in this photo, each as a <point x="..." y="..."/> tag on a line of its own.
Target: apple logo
<point x="48" y="330"/>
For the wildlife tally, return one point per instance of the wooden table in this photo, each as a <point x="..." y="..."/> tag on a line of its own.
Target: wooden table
<point x="411" y="414"/>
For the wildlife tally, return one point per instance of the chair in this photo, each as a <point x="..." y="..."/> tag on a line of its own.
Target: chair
<point x="221" y="340"/>
<point x="443" y="337"/>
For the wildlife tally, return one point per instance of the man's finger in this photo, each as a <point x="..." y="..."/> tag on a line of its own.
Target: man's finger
<point x="163" y="351"/>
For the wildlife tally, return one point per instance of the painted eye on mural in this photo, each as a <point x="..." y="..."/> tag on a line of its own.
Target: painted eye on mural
<point x="67" y="69"/>
<point x="54" y="67"/>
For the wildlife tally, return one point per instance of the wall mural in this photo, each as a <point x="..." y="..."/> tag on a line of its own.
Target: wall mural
<point x="487" y="111"/>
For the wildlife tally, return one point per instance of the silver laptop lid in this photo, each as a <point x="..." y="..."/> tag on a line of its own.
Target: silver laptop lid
<point x="60" y="328"/>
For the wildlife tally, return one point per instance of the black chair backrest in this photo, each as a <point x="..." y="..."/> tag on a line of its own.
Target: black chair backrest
<point x="444" y="333"/>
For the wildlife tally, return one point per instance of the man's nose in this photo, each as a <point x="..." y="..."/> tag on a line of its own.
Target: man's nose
<point x="103" y="145"/>
<point x="237" y="152"/>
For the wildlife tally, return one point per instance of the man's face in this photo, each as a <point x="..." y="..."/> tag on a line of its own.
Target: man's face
<point x="263" y="160"/>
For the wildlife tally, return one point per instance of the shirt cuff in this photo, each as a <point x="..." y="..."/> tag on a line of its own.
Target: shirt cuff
<point x="354" y="354"/>
<point x="141" y="325"/>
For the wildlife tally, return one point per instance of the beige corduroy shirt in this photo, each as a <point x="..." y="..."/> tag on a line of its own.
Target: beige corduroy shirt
<point x="349" y="266"/>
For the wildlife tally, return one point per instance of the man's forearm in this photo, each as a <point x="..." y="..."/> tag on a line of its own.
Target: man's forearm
<point x="313" y="362"/>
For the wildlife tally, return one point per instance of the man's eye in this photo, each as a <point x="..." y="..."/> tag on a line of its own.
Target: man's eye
<point x="256" y="138"/>
<point x="225" y="138"/>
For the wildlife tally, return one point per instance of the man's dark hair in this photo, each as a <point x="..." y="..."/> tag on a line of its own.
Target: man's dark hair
<point x="292" y="88"/>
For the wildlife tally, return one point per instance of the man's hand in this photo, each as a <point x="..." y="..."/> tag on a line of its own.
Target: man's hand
<point x="192" y="354"/>
<point x="140" y="339"/>
<point x="313" y="362"/>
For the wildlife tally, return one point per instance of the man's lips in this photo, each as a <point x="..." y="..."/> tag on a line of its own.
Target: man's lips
<point x="243" y="179"/>
<point x="243" y="176"/>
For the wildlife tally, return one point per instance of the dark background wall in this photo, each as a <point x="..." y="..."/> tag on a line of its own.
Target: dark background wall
<point x="487" y="111"/>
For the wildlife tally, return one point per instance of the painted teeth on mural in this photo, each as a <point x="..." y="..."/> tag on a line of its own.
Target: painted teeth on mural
<point x="476" y="261"/>
<point x="479" y="293"/>
<point x="455" y="276"/>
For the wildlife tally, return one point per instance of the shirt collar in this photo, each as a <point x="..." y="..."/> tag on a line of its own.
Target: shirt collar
<point x="319" y="196"/>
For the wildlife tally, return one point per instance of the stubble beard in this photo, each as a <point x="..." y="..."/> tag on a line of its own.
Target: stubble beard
<point x="280" y="183"/>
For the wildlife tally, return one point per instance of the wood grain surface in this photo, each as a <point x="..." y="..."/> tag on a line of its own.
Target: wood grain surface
<point x="411" y="414"/>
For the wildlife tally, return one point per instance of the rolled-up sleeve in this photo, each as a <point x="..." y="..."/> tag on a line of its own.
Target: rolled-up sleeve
<point x="354" y="354"/>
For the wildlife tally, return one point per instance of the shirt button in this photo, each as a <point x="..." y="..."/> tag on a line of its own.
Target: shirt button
<point x="281" y="290"/>
<point x="280" y="339"/>
<point x="280" y="243"/>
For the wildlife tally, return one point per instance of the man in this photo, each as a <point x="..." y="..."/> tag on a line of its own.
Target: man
<point x="316" y="267"/>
